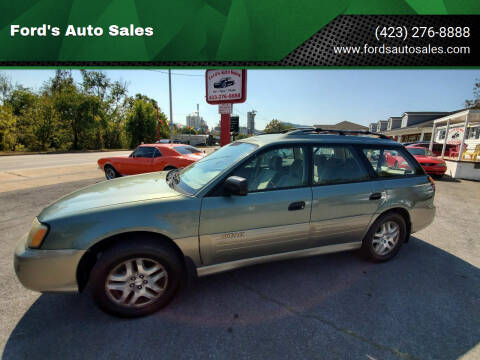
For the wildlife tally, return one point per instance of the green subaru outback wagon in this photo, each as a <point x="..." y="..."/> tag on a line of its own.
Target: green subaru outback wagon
<point x="135" y="240"/>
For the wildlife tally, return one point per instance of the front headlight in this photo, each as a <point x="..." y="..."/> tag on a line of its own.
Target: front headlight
<point x="37" y="234"/>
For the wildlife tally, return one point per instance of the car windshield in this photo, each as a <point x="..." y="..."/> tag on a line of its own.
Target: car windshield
<point x="184" y="150"/>
<point x="196" y="176"/>
<point x="418" y="151"/>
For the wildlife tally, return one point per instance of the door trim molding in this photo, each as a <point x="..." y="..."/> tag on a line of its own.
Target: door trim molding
<point x="226" y="266"/>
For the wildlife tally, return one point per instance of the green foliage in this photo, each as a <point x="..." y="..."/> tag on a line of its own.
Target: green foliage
<point x="95" y="113"/>
<point x="5" y="88"/>
<point x="8" y="136"/>
<point x="241" y="136"/>
<point x="141" y="123"/>
<point x="187" y="130"/>
<point x="23" y="104"/>
<point x="275" y="126"/>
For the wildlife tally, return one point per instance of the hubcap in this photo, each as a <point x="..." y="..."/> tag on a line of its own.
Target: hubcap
<point x="110" y="173"/>
<point x="136" y="282"/>
<point x="386" y="237"/>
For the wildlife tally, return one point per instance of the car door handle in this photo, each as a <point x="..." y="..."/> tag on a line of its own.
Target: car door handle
<point x="375" y="196"/>
<point x="299" y="205"/>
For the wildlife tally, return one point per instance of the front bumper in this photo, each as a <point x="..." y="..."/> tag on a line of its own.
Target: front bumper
<point x="47" y="270"/>
<point x="435" y="170"/>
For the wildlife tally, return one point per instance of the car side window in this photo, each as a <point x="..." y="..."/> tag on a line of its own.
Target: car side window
<point x="144" y="152"/>
<point x="390" y="162"/>
<point x="336" y="165"/>
<point x="156" y="153"/>
<point x="277" y="168"/>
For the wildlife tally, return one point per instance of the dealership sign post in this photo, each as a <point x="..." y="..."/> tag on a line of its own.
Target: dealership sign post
<point x="225" y="87"/>
<point x="226" y="108"/>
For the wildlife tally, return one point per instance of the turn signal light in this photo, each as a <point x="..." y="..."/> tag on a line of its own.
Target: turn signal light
<point x="37" y="234"/>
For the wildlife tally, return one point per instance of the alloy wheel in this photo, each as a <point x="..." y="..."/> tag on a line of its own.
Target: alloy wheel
<point x="136" y="282"/>
<point x="386" y="237"/>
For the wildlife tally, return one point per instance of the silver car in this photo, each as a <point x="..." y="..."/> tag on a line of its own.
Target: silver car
<point x="135" y="240"/>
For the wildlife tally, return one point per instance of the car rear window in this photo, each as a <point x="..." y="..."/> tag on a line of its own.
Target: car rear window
<point x="184" y="150"/>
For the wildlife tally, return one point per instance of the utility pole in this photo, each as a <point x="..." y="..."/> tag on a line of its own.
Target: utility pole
<point x="170" y="94"/>
<point x="158" y="124"/>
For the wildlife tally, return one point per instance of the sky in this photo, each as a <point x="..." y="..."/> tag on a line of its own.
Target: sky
<point x="306" y="97"/>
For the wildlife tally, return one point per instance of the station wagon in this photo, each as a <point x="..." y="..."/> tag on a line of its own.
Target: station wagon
<point x="135" y="240"/>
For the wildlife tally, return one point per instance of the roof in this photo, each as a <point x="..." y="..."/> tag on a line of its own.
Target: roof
<point x="295" y="137"/>
<point x="343" y="125"/>
<point x="163" y="145"/>
<point x="441" y="113"/>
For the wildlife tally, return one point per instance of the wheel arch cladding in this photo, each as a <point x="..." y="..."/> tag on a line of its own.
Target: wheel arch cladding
<point x="89" y="259"/>
<point x="406" y="216"/>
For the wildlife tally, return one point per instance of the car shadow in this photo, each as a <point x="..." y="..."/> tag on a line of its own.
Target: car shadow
<point x="447" y="178"/>
<point x="422" y="304"/>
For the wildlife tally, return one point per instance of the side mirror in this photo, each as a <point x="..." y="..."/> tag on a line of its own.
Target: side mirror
<point x="236" y="185"/>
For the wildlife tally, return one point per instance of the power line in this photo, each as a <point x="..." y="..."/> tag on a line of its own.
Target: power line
<point x="166" y="72"/>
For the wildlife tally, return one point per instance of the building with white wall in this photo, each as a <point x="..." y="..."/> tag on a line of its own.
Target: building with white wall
<point x="251" y="121"/>
<point x="196" y="121"/>
<point x="382" y="125"/>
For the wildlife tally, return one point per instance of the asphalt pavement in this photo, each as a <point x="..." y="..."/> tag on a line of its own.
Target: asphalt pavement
<point x="424" y="304"/>
<point x="20" y="172"/>
<point x="24" y="162"/>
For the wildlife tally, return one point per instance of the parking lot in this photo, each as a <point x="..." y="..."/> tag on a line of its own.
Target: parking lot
<point x="424" y="304"/>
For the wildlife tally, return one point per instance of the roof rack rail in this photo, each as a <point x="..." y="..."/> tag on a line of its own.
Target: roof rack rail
<point x="288" y="130"/>
<point x="336" y="131"/>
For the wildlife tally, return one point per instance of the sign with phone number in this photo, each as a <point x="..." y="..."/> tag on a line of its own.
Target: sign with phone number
<point x="225" y="86"/>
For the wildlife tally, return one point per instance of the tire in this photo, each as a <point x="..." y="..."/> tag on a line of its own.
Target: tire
<point x="110" y="172"/>
<point x="168" y="168"/>
<point x="122" y="288"/>
<point x="375" y="246"/>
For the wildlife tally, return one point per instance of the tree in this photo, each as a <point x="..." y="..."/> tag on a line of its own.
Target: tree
<point x="242" y="136"/>
<point x="95" y="83"/>
<point x="5" y="88"/>
<point x="62" y="79"/>
<point x="475" y="102"/>
<point x="46" y="125"/>
<point x="79" y="113"/>
<point x="7" y="129"/>
<point x="23" y="103"/>
<point x="275" y="126"/>
<point x="141" y="123"/>
<point x="94" y="113"/>
<point x="187" y="130"/>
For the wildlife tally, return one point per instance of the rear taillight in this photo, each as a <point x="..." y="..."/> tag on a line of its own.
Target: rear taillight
<point x="431" y="182"/>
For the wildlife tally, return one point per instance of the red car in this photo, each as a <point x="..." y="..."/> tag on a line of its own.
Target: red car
<point x="394" y="160"/>
<point x="431" y="164"/>
<point x="149" y="158"/>
<point x="436" y="148"/>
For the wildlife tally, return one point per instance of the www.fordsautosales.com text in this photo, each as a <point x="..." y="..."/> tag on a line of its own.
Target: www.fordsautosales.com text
<point x="46" y="30"/>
